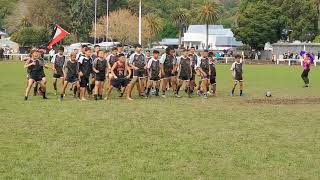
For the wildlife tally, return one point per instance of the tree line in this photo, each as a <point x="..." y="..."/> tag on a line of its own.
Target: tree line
<point x="254" y="22"/>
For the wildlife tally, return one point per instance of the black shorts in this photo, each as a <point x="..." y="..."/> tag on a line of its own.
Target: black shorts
<point x="155" y="78"/>
<point x="84" y="81"/>
<point x="140" y="73"/>
<point x="100" y="76"/>
<point x="238" y="77"/>
<point x="58" y="75"/>
<point x="72" y="79"/>
<point x="168" y="74"/>
<point x="213" y="80"/>
<point x="120" y="82"/>
<point x="184" y="77"/>
<point x="36" y="78"/>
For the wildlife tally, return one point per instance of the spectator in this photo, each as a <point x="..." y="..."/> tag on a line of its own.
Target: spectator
<point x="7" y="52"/>
<point x="51" y="54"/>
<point x="1" y="53"/>
<point x="318" y="55"/>
<point x="259" y="55"/>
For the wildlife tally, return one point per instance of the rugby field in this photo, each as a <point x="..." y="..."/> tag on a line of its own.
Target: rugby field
<point x="219" y="138"/>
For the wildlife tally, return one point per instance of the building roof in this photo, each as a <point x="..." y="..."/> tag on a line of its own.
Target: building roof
<point x="170" y="41"/>
<point x="213" y="30"/>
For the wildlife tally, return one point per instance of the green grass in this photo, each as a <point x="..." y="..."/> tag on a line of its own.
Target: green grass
<point x="218" y="138"/>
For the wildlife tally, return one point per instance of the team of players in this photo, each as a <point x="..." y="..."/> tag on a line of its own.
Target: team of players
<point x="87" y="72"/>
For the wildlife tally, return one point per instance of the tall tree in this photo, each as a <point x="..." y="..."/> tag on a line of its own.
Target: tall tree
<point x="154" y="24"/>
<point x="82" y="16"/>
<point x="258" y="24"/>
<point x="124" y="27"/>
<point x="6" y="8"/>
<point x="209" y="14"/>
<point x="181" y="19"/>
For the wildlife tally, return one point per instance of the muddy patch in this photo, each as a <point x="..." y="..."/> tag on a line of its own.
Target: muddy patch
<point x="285" y="101"/>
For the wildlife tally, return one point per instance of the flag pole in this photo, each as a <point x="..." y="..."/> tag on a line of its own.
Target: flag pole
<point x="140" y="22"/>
<point x="95" y="21"/>
<point x="107" y="31"/>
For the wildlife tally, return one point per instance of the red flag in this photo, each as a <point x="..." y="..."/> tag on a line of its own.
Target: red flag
<point x="58" y="35"/>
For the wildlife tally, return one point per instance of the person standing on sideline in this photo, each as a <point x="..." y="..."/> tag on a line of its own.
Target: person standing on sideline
<point x="307" y="60"/>
<point x="52" y="52"/>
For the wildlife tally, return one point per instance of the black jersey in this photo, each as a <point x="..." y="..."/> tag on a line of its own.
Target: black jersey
<point x="185" y="64"/>
<point x="154" y="67"/>
<point x="100" y="65"/>
<point x="204" y="65"/>
<point x="138" y="60"/>
<point x="72" y="69"/>
<point x="58" y="62"/>
<point x="85" y="66"/>
<point x="36" y="71"/>
<point x="168" y="62"/>
<point x="112" y="59"/>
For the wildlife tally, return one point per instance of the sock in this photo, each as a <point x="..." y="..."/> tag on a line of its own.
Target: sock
<point x="75" y="90"/>
<point x="240" y="92"/>
<point x="163" y="92"/>
<point x="100" y="96"/>
<point x="88" y="89"/>
<point x="26" y="98"/>
<point x="148" y="91"/>
<point x="95" y="97"/>
<point x="91" y="87"/>
<point x="178" y="89"/>
<point x="35" y="90"/>
<point x="157" y="91"/>
<point x="232" y="91"/>
<point x="61" y="96"/>
<point x="44" y="95"/>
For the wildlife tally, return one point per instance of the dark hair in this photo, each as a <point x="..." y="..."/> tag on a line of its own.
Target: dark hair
<point x="211" y="54"/>
<point x="206" y="50"/>
<point x="106" y="51"/>
<point x="86" y="49"/>
<point x="84" y="46"/>
<point x="168" y="49"/>
<point x="61" y="48"/>
<point x="114" y="48"/>
<point x="96" y="46"/>
<point x="192" y="47"/>
<point x="137" y="46"/>
<point x="156" y="52"/>
<point x="147" y="50"/>
<point x="120" y="55"/>
<point x="237" y="56"/>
